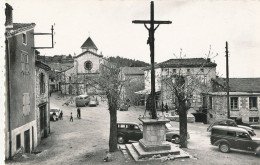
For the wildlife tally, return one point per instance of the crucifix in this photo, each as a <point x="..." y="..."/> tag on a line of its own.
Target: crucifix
<point x="150" y="41"/>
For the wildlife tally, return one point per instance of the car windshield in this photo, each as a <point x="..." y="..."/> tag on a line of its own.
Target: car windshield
<point x="54" y="110"/>
<point x="168" y="126"/>
<point x="141" y="127"/>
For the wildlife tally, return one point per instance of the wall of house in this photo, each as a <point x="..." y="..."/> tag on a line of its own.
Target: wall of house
<point x="88" y="57"/>
<point x="219" y="109"/>
<point x="21" y="82"/>
<point x="42" y="99"/>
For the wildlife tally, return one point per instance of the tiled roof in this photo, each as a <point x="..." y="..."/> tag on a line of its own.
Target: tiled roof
<point x="132" y="70"/>
<point x="42" y="65"/>
<point x="241" y="84"/>
<point x="19" y="27"/>
<point x="184" y="62"/>
<point x="89" y="44"/>
<point x="187" y="62"/>
<point x="88" y="52"/>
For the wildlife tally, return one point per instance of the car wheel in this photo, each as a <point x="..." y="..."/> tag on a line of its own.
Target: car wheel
<point x="257" y="151"/>
<point x="120" y="139"/>
<point x="224" y="147"/>
<point x="176" y="139"/>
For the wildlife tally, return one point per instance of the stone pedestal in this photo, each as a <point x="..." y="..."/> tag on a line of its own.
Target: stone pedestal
<point x="154" y="135"/>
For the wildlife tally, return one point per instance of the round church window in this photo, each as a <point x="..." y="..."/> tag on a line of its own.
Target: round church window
<point x="88" y="65"/>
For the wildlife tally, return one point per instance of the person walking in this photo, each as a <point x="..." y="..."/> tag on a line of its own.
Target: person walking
<point x="61" y="115"/>
<point x="71" y="118"/>
<point x="166" y="108"/>
<point x="162" y="107"/>
<point x="78" y="113"/>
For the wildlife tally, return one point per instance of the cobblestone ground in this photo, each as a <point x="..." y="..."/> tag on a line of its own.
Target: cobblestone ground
<point x="85" y="140"/>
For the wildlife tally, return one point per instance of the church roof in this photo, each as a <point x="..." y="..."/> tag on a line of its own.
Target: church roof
<point x="89" y="44"/>
<point x="81" y="54"/>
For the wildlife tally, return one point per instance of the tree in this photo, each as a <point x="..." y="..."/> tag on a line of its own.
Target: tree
<point x="183" y="87"/>
<point x="109" y="81"/>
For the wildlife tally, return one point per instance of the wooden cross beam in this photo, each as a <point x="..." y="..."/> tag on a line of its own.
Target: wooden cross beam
<point x="151" y="43"/>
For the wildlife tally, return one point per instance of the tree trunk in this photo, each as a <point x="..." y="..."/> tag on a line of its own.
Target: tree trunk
<point x="183" y="124"/>
<point x="113" y="129"/>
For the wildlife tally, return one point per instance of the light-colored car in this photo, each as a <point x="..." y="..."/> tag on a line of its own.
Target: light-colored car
<point x="93" y="102"/>
<point x="173" y="134"/>
<point x="82" y="100"/>
<point x="54" y="114"/>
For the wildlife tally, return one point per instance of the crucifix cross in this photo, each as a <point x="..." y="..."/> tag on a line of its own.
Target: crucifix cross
<point x="150" y="41"/>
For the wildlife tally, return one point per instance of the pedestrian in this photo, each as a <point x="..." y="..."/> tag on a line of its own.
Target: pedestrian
<point x="78" y="112"/>
<point x="71" y="118"/>
<point x="61" y="114"/>
<point x="162" y="107"/>
<point x="166" y="108"/>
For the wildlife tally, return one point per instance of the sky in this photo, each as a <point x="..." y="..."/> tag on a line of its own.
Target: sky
<point x="197" y="28"/>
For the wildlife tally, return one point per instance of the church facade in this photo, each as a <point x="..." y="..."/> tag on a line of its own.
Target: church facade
<point x="87" y="65"/>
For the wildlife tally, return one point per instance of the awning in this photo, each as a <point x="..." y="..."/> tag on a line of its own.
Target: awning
<point x="145" y="92"/>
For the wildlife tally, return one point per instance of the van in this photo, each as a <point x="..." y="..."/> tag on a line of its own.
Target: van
<point x="226" y="137"/>
<point x="82" y="100"/>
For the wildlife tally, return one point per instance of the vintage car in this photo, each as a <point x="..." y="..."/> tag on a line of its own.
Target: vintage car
<point x="54" y="114"/>
<point x="230" y="122"/>
<point x="93" y="102"/>
<point x="134" y="131"/>
<point x="82" y="100"/>
<point x="226" y="137"/>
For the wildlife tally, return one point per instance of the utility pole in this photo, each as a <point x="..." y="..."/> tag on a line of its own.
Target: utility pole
<point x="150" y="41"/>
<point x="227" y="80"/>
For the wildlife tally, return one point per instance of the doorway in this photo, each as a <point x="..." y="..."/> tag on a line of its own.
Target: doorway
<point x="42" y="110"/>
<point x="27" y="141"/>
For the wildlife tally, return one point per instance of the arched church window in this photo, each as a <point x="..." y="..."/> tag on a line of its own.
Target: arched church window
<point x="88" y="65"/>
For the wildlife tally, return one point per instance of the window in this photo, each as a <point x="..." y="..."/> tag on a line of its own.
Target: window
<point x="25" y="62"/>
<point x="42" y="83"/>
<point x="188" y="70"/>
<point x="88" y="65"/>
<point x="252" y="102"/>
<point x="202" y="70"/>
<point x="231" y="133"/>
<point x="210" y="102"/>
<point x="26" y="104"/>
<point x="18" y="141"/>
<point x="174" y="70"/>
<point x="253" y="119"/>
<point x="24" y="38"/>
<point x="234" y="103"/>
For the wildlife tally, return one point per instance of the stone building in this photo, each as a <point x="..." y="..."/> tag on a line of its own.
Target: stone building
<point x="134" y="77"/>
<point x="22" y="103"/>
<point x="203" y="70"/>
<point x="42" y="101"/>
<point x="20" y="123"/>
<point x="86" y="65"/>
<point x="244" y="100"/>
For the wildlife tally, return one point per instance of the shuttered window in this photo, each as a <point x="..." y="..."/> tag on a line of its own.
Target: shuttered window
<point x="26" y="104"/>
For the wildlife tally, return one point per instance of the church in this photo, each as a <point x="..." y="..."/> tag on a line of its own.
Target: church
<point x="74" y="80"/>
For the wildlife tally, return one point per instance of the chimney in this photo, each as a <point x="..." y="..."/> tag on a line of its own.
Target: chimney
<point x="8" y="16"/>
<point x="208" y="59"/>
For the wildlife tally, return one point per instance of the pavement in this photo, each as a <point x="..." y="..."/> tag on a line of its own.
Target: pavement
<point x="85" y="141"/>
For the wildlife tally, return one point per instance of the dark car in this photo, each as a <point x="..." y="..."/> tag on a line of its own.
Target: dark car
<point x="54" y="114"/>
<point x="134" y="131"/>
<point x="226" y="137"/>
<point x="230" y="122"/>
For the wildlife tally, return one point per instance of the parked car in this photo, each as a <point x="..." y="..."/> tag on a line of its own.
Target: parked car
<point x="93" y="101"/>
<point x="230" y="122"/>
<point x="124" y="107"/>
<point x="226" y="137"/>
<point x="134" y="131"/>
<point x="82" y="100"/>
<point x="54" y="114"/>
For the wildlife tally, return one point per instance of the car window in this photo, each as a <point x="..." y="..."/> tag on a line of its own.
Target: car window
<point x="136" y="127"/>
<point x="121" y="126"/>
<point x="131" y="126"/>
<point x="229" y="133"/>
<point x="243" y="135"/>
